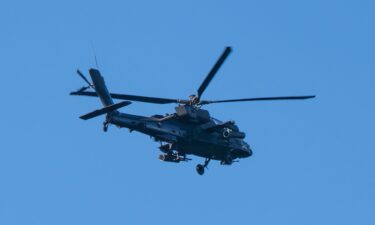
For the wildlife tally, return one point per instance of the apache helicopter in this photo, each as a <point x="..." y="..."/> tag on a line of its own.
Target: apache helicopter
<point x="189" y="130"/>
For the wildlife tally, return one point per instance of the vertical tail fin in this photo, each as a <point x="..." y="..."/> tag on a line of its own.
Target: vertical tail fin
<point x="100" y="87"/>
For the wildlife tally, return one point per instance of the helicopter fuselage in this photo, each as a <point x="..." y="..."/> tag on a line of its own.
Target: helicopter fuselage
<point x="184" y="137"/>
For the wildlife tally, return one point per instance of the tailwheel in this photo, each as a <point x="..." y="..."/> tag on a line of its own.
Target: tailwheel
<point x="105" y="126"/>
<point x="200" y="169"/>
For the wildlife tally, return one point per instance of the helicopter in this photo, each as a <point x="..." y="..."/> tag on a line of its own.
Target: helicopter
<point x="190" y="130"/>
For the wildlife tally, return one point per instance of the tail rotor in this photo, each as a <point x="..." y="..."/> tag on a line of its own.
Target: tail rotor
<point x="90" y="85"/>
<point x="98" y="85"/>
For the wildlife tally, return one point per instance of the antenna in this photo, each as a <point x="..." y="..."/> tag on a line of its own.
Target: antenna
<point x="93" y="50"/>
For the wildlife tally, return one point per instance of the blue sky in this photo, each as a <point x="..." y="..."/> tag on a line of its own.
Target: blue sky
<point x="313" y="160"/>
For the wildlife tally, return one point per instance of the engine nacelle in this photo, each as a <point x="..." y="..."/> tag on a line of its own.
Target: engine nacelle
<point x="228" y="133"/>
<point x="240" y="135"/>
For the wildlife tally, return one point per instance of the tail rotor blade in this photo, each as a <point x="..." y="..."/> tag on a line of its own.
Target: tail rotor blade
<point x="84" y="78"/>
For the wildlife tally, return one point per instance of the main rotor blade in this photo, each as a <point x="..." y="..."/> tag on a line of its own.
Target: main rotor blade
<point x="136" y="98"/>
<point x="204" y="102"/>
<point x="84" y="78"/>
<point x="104" y="110"/>
<point x="213" y="71"/>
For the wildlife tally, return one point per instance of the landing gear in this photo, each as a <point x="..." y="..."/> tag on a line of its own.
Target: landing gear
<point x="105" y="126"/>
<point x="200" y="167"/>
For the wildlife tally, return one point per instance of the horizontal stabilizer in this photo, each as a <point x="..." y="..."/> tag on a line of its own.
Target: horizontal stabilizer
<point x="105" y="110"/>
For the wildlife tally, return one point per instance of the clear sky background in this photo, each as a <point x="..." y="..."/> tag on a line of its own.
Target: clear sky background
<point x="313" y="160"/>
